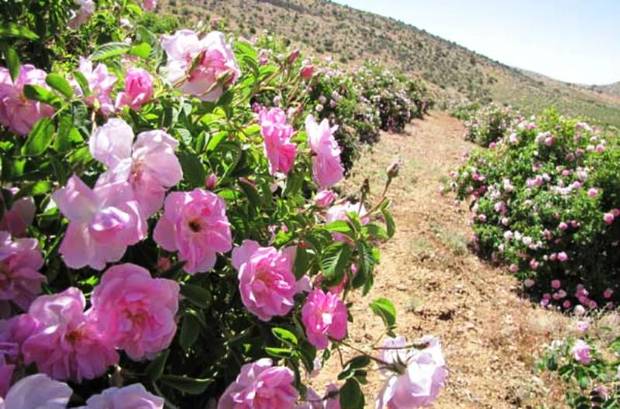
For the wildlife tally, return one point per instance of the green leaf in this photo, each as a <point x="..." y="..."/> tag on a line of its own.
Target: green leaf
<point x="82" y="82"/>
<point x="303" y="259"/>
<point x="215" y="140"/>
<point x="142" y="50"/>
<point x="334" y="261"/>
<point x="386" y="310"/>
<point x="376" y="232"/>
<point x="12" y="61"/>
<point x="38" y="93"/>
<point x="199" y="296"/>
<point x="67" y="135"/>
<point x="294" y="183"/>
<point x="155" y="368"/>
<point x="365" y="263"/>
<point x="193" y="170"/>
<point x="190" y="330"/>
<point x="17" y="31"/>
<point x="39" y="138"/>
<point x="389" y="221"/>
<point x="60" y="84"/>
<point x="354" y="367"/>
<point x="191" y="386"/>
<point x="109" y="50"/>
<point x="284" y="335"/>
<point x="339" y="226"/>
<point x="279" y="352"/>
<point x="351" y="396"/>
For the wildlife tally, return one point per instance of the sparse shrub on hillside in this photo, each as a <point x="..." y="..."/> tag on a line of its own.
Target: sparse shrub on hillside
<point x="465" y="111"/>
<point x="546" y="201"/>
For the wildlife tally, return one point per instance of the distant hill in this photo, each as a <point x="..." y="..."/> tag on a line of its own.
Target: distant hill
<point x="611" y="89"/>
<point x="352" y="37"/>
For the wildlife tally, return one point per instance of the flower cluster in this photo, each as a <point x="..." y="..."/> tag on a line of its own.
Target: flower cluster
<point x="167" y="223"/>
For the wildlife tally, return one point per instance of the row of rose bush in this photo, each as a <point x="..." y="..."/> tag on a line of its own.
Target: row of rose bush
<point x="486" y="124"/>
<point x="171" y="231"/>
<point x="491" y="123"/>
<point x="545" y="199"/>
<point x="587" y="362"/>
<point x="362" y="103"/>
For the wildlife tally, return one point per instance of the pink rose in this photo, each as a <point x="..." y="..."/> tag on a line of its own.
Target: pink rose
<point x="324" y="315"/>
<point x="307" y="71"/>
<point x="200" y="67"/>
<point x="609" y="218"/>
<point x="582" y="326"/>
<point x="149" y="5"/>
<point x="263" y="57"/>
<point x="592" y="192"/>
<point x="582" y="352"/>
<point x="277" y="140"/>
<point x="326" y="166"/>
<point x="18" y="113"/>
<point x="418" y="375"/>
<point x="100" y="83"/>
<point x="137" y="312"/>
<point x="129" y="397"/>
<point x="102" y="222"/>
<point x="37" y="392"/>
<point x="66" y="343"/>
<point x="194" y="224"/>
<point x="83" y="13"/>
<point x="555" y="284"/>
<point x="20" y="262"/>
<point x="19" y="217"/>
<point x="266" y="281"/>
<point x="324" y="198"/>
<point x="211" y="181"/>
<point x="261" y="385"/>
<point x="150" y="165"/>
<point x="138" y="89"/>
<point x="562" y="256"/>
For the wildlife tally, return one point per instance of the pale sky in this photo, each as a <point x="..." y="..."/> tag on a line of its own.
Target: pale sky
<point x="570" y="40"/>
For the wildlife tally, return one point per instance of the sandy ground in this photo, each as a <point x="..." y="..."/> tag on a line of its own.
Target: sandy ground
<point x="490" y="334"/>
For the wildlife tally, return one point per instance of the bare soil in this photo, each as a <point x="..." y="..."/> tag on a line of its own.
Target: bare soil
<point x="491" y="335"/>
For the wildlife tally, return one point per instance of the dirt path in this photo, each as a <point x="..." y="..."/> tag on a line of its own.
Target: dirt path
<point x="489" y="333"/>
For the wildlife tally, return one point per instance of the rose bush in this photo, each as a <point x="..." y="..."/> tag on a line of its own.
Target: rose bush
<point x="166" y="241"/>
<point x="491" y="123"/>
<point x="545" y="201"/>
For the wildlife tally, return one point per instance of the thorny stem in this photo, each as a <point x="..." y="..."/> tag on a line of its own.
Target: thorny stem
<point x="373" y="358"/>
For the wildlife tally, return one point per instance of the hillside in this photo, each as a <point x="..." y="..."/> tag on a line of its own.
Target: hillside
<point x="611" y="89"/>
<point x="354" y="36"/>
